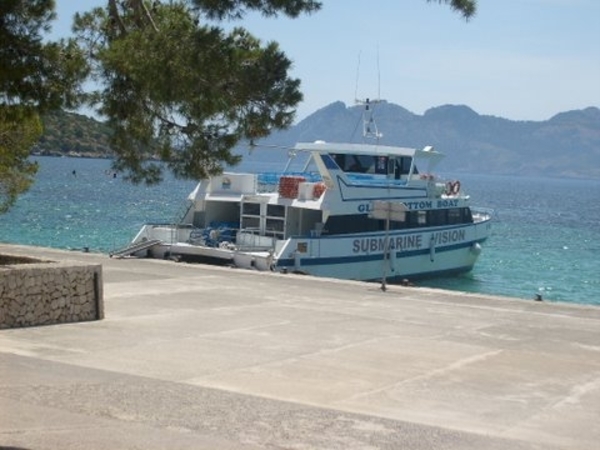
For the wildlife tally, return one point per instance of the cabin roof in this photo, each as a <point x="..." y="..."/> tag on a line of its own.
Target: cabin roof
<point x="366" y="149"/>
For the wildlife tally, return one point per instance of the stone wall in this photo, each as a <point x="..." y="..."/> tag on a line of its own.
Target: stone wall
<point x="46" y="292"/>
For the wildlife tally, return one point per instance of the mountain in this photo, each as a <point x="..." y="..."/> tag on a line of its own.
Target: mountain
<point x="567" y="145"/>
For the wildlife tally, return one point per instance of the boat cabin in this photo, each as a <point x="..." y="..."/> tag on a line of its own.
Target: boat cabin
<point x="390" y="166"/>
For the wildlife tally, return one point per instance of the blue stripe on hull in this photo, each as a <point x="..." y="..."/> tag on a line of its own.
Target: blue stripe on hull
<point x="394" y="233"/>
<point x="326" y="261"/>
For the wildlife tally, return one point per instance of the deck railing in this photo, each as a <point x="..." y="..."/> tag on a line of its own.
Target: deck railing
<point x="269" y="181"/>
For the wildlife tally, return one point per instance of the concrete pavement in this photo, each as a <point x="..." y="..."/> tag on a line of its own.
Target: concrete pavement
<point x="201" y="357"/>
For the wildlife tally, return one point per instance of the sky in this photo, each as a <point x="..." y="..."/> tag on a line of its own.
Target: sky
<point x="517" y="59"/>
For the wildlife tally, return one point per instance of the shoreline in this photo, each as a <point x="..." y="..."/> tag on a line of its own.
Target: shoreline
<point x="83" y="254"/>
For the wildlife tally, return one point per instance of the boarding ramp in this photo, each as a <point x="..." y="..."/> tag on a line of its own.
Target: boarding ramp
<point x="134" y="248"/>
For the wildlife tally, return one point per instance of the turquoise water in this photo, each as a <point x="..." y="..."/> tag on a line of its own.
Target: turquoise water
<point x="545" y="239"/>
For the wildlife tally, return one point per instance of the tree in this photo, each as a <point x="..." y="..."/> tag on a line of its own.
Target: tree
<point x="35" y="76"/>
<point x="20" y="128"/>
<point x="177" y="87"/>
<point x="465" y="7"/>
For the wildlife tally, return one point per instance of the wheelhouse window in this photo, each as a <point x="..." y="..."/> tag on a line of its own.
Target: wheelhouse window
<point x="403" y="164"/>
<point x="360" y="223"/>
<point x="361" y="163"/>
<point x="454" y="216"/>
<point x="352" y="223"/>
<point x="393" y="166"/>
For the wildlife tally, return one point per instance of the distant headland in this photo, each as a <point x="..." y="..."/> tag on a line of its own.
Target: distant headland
<point x="566" y="145"/>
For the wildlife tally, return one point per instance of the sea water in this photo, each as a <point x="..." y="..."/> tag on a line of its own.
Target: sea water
<point x="545" y="239"/>
<point x="545" y="234"/>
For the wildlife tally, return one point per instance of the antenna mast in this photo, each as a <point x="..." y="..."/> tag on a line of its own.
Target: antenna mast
<point x="357" y="73"/>
<point x="370" y="130"/>
<point x="378" y="76"/>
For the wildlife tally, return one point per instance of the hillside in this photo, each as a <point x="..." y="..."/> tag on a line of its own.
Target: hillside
<point x="567" y="145"/>
<point x="73" y="134"/>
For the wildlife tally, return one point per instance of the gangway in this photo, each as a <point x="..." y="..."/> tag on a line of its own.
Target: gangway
<point x="135" y="247"/>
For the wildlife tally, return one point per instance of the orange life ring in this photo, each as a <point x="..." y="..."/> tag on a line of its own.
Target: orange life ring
<point x="318" y="190"/>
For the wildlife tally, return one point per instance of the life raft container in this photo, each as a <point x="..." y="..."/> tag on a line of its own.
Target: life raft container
<point x="288" y="186"/>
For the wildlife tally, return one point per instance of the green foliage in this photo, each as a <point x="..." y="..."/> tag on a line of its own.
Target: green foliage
<point x="465" y="7"/>
<point x="35" y="76"/>
<point x="236" y="9"/>
<point x="44" y="75"/>
<point x="20" y="128"/>
<point x="184" y="91"/>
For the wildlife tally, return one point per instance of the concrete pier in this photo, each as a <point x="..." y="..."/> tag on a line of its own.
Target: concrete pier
<point x="201" y="357"/>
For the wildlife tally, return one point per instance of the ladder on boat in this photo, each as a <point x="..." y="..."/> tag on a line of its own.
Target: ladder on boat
<point x="135" y="247"/>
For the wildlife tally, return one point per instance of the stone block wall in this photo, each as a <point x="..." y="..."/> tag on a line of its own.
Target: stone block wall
<point x="44" y="293"/>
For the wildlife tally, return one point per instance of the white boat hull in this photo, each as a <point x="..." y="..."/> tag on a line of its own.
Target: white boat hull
<point x="413" y="254"/>
<point x="364" y="258"/>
